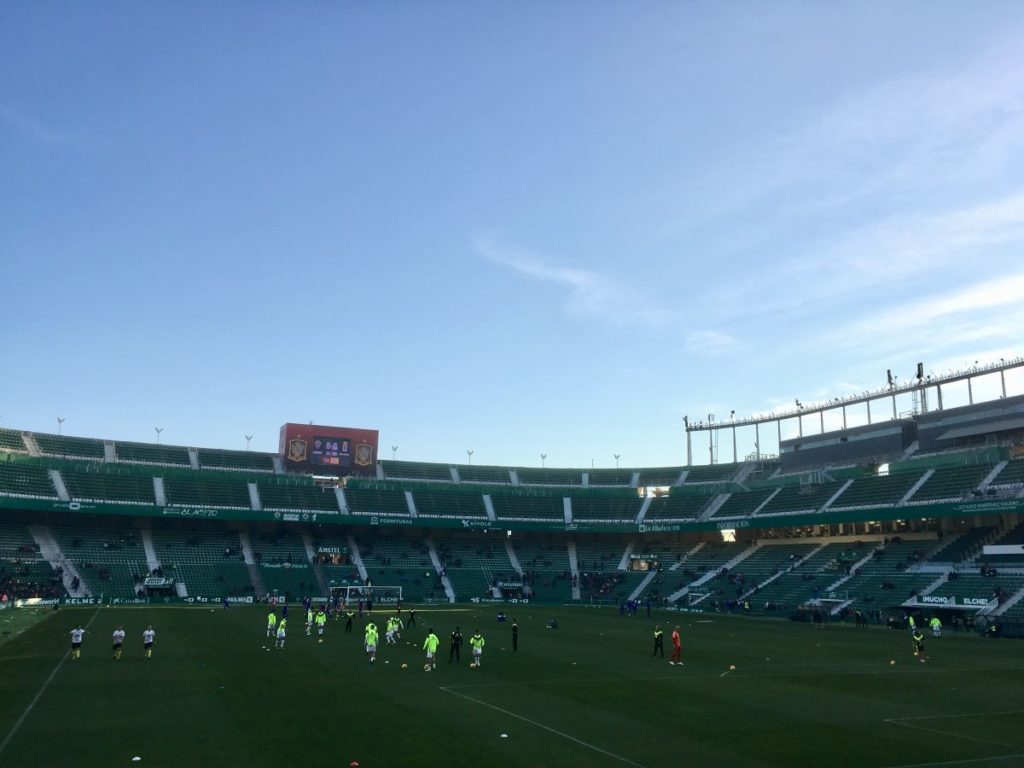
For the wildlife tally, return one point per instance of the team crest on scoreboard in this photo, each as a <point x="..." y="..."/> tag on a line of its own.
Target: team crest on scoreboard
<point x="364" y="454"/>
<point x="296" y="449"/>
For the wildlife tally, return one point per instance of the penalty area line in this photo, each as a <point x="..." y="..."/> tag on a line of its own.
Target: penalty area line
<point x="547" y="728"/>
<point x="966" y="761"/>
<point x="42" y="690"/>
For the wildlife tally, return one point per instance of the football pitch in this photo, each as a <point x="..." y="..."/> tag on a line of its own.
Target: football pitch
<point x="752" y="693"/>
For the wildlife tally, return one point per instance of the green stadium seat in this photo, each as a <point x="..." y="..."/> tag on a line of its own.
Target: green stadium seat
<point x="150" y="453"/>
<point x="27" y="479"/>
<point x="246" y="461"/>
<point x="69" y="447"/>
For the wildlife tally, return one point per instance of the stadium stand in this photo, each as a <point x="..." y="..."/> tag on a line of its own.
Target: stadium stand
<point x="368" y="498"/>
<point x="803" y="498"/>
<point x="610" y="477"/>
<point x="677" y="506"/>
<point x="449" y="502"/>
<point x="69" y="447"/>
<point x="104" y="482"/>
<point x="528" y="505"/>
<point x="473" y="473"/>
<point x="26" y="479"/>
<point x="548" y="476"/>
<point x="767" y="561"/>
<point x="742" y="504"/>
<point x="148" y="453"/>
<point x="885" y="580"/>
<point x="805" y="581"/>
<point x="23" y="571"/>
<point x="660" y="477"/>
<point x="284" y="566"/>
<point x="11" y="441"/>
<point x="209" y="563"/>
<point x="878" y="491"/>
<point x="546" y="569"/>
<point x="206" y="489"/>
<point x="110" y="560"/>
<point x="711" y="473"/>
<point x="474" y="565"/>
<point x="398" y="561"/>
<point x="605" y="505"/>
<point x="295" y="493"/>
<point x="951" y="483"/>
<point x="416" y="470"/>
<point x="246" y="461"/>
<point x="961" y="547"/>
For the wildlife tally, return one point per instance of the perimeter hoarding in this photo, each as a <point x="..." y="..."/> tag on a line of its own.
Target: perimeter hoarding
<point x="322" y="450"/>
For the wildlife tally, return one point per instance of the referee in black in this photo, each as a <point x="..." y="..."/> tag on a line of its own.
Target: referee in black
<point x="454" y="644"/>
<point x="659" y="643"/>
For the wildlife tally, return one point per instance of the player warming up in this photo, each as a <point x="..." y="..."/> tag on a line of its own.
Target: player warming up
<point x="476" y="642"/>
<point x="282" y="631"/>
<point x="919" y="646"/>
<point x="118" y="642"/>
<point x="271" y="624"/>
<point x="321" y="624"/>
<point x="677" y="648"/>
<point x="370" y="639"/>
<point x="430" y="646"/>
<point x="76" y="642"/>
<point x="659" y="643"/>
<point x="148" y="636"/>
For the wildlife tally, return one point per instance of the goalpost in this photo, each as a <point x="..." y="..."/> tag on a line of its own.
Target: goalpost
<point x="694" y="596"/>
<point x="377" y="595"/>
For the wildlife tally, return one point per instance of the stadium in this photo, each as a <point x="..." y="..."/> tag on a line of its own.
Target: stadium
<point x="856" y="530"/>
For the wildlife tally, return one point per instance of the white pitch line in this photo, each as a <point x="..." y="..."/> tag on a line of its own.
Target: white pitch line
<point x="547" y="728"/>
<point x="31" y="704"/>
<point x="966" y="714"/>
<point x="951" y="733"/>
<point x="727" y="672"/>
<point x="966" y="761"/>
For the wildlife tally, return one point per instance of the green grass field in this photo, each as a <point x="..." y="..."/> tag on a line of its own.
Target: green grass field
<point x="586" y="694"/>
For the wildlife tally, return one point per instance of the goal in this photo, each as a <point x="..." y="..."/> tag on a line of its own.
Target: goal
<point x="378" y="595"/>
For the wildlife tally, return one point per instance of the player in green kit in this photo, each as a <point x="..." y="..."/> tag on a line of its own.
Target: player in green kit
<point x="321" y="624"/>
<point x="271" y="624"/>
<point x="309" y="622"/>
<point x="476" y="642"/>
<point x="430" y="646"/>
<point x="370" y="639"/>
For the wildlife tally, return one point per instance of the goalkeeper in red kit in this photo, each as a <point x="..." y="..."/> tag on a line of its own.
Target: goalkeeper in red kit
<point x="677" y="648"/>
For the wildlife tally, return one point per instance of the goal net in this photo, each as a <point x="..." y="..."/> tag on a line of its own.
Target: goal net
<point x="695" y="596"/>
<point x="368" y="594"/>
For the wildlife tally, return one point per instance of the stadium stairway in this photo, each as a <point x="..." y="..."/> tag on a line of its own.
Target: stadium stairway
<point x="250" y="563"/>
<point x="318" y="571"/>
<point x="445" y="581"/>
<point x="679" y="563"/>
<point x="642" y="585"/>
<point x="714" y="572"/>
<point x="30" y="444"/>
<point x="1010" y="602"/>
<point x="574" y="568"/>
<point x="513" y="557"/>
<point x="624" y="560"/>
<point x="51" y="552"/>
<point x="642" y="512"/>
<point x="779" y="573"/>
<point x="854" y="568"/>
<point x="942" y="576"/>
<point x="152" y="561"/>
<point x="713" y="506"/>
<point x="357" y="558"/>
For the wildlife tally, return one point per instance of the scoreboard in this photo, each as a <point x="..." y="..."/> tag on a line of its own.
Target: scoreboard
<point x="328" y="450"/>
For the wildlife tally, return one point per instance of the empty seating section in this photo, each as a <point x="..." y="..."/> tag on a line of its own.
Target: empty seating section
<point x="295" y="493"/>
<point x="979" y="587"/>
<point x="474" y="565"/>
<point x="471" y="473"/>
<point x="801" y="498"/>
<point x="961" y="546"/>
<point x="210" y="563"/>
<point x="416" y="470"/>
<point x="711" y="473"/>
<point x="1011" y="474"/>
<point x="883" y="580"/>
<point x="112" y="561"/>
<point x="765" y="562"/>
<point x="200" y="489"/>
<point x="23" y="572"/>
<point x="547" y="476"/>
<point x="951" y="483"/>
<point x="600" y="578"/>
<point x="799" y="585"/>
<point x="605" y="505"/>
<point x="545" y="569"/>
<point x="28" y="479"/>
<point x="446" y="502"/>
<point x="73" y="447"/>
<point x="10" y="440"/>
<point x="743" y="503"/>
<point x="660" y="477"/>
<point x="373" y="500"/>
<point x="710" y="557"/>
<point x="284" y="565"/>
<point x="1013" y="536"/>
<point x="882" y="491"/>
<point x="397" y="561"/>
<point x="103" y="482"/>
<point x="241" y="460"/>
<point x="677" y="506"/>
<point x="148" y="453"/>
<point x="610" y="477"/>
<point x="528" y="506"/>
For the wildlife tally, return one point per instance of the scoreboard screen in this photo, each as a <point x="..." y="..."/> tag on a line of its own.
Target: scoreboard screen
<point x="331" y="451"/>
<point x="328" y="450"/>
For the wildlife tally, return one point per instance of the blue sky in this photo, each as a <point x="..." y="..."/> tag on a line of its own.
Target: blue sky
<point x="514" y="228"/>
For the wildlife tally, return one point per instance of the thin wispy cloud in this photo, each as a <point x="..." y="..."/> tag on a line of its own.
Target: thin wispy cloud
<point x="17" y="121"/>
<point x="711" y="343"/>
<point x="588" y="293"/>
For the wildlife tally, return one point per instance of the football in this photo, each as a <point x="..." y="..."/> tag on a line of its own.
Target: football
<point x="405" y="666"/>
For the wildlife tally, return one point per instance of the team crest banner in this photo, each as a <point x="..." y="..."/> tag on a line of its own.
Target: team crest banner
<point x="296" y="450"/>
<point x="364" y="455"/>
